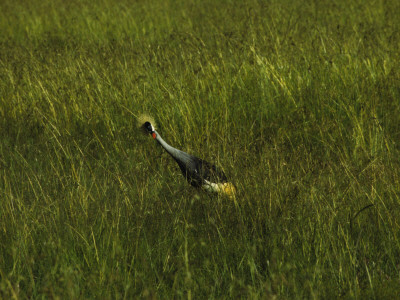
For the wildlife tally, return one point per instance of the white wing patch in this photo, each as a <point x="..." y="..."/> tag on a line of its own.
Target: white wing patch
<point x="224" y="188"/>
<point x="213" y="187"/>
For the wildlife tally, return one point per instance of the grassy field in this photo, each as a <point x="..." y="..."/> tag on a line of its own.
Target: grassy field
<point x="298" y="101"/>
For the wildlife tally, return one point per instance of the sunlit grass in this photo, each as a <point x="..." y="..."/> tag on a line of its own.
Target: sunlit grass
<point x="298" y="102"/>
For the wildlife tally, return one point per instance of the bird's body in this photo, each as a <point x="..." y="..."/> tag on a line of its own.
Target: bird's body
<point x="199" y="173"/>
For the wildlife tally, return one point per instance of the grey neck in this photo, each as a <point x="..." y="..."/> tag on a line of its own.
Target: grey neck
<point x="183" y="158"/>
<point x="171" y="150"/>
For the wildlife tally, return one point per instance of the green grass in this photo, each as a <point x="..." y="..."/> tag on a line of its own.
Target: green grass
<point x="298" y="101"/>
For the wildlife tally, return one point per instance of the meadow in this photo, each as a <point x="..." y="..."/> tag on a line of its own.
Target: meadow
<point x="298" y="102"/>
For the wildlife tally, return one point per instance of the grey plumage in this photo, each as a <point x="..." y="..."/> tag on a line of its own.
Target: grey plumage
<point x="193" y="168"/>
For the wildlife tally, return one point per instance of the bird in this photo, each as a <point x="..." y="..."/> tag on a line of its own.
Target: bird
<point x="199" y="173"/>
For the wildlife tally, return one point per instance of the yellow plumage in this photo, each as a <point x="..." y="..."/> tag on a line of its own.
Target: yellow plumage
<point x="229" y="189"/>
<point x="143" y="118"/>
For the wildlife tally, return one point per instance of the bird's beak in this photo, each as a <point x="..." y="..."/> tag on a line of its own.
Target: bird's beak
<point x="153" y="134"/>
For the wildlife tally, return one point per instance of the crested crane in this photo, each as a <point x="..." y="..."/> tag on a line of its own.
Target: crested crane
<point x="198" y="172"/>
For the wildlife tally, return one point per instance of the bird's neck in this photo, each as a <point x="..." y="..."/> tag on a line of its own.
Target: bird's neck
<point x="171" y="150"/>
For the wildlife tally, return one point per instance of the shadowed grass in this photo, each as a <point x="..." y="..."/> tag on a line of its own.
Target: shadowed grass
<point x="298" y="102"/>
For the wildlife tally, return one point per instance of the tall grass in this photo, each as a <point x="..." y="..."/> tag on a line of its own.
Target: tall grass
<point x="297" y="101"/>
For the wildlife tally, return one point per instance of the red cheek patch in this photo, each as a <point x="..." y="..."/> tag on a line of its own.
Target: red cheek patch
<point x="153" y="135"/>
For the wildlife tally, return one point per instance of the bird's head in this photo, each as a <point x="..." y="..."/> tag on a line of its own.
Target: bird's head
<point x="150" y="129"/>
<point x="147" y="125"/>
